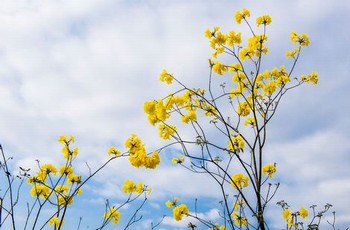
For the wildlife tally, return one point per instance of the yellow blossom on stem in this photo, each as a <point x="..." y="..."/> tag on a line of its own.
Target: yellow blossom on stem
<point x="179" y="160"/>
<point x="311" y="78"/>
<point x="239" y="220"/>
<point x="66" y="169"/>
<point x="243" y="109"/>
<point x="287" y="214"/>
<point x="303" y="212"/>
<point x="128" y="186"/>
<point x="236" y="143"/>
<point x="219" y="68"/>
<point x="239" y="181"/>
<point x="112" y="214"/>
<point x="73" y="178"/>
<point x="113" y="151"/>
<point x="166" y="77"/>
<point x="166" y="131"/>
<point x="172" y="203"/>
<point x="250" y="121"/>
<point x="292" y="53"/>
<point x="269" y="88"/>
<point x="301" y="39"/>
<point x="190" y="116"/>
<point x="233" y="38"/>
<point x="41" y="190"/>
<point x="55" y="221"/>
<point x="152" y="161"/>
<point x="49" y="168"/>
<point x="269" y="170"/>
<point x="240" y="15"/>
<point x="180" y="211"/>
<point x="263" y="20"/>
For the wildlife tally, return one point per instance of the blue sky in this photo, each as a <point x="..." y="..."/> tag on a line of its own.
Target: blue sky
<point x="84" y="68"/>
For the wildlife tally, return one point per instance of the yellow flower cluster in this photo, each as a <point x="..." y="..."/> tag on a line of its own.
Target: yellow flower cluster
<point x="269" y="170"/>
<point x="178" y="160"/>
<point x="56" y="222"/>
<point x="236" y="144"/>
<point x="179" y="211"/>
<point x="166" y="131"/>
<point x="289" y="216"/>
<point x="185" y="104"/>
<point x="240" y="15"/>
<point x="219" y="40"/>
<point x="67" y="152"/>
<point x="130" y="187"/>
<point x="239" y="181"/>
<point x="166" y="77"/>
<point x="217" y="227"/>
<point x="172" y="203"/>
<point x="113" y="151"/>
<point x="113" y="215"/>
<point x="263" y="20"/>
<point x="138" y="156"/>
<point x="239" y="220"/>
<point x="57" y="186"/>
<point x="300" y="39"/>
<point x="255" y="47"/>
<point x="311" y="78"/>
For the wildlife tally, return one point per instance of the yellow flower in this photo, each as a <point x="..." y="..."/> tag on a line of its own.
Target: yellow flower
<point x="292" y="53"/>
<point x="139" y="188"/>
<point x="208" y="33"/>
<point x="172" y="203"/>
<point x="151" y="162"/>
<point x="240" y="15"/>
<point x="61" y="189"/>
<point x="239" y="220"/>
<point x="128" y="186"/>
<point x="166" y="131"/>
<point x="303" y="212"/>
<point x="233" y="38"/>
<point x="219" y="68"/>
<point x="179" y="160"/>
<point x="246" y="53"/>
<point x="64" y="169"/>
<point x="166" y="77"/>
<point x="55" y="221"/>
<point x="287" y="214"/>
<point x="75" y="151"/>
<point x="239" y="181"/>
<point x="250" y="121"/>
<point x="133" y="142"/>
<point x="269" y="170"/>
<point x="64" y="200"/>
<point x="190" y="116"/>
<point x="72" y="178"/>
<point x="313" y="78"/>
<point x="112" y="214"/>
<point x="63" y="139"/>
<point x="49" y="168"/>
<point x="180" y="211"/>
<point x="265" y="20"/>
<point x="236" y="144"/>
<point x="113" y="151"/>
<point x="301" y="39"/>
<point x="243" y="109"/>
<point x="269" y="88"/>
<point x="41" y="190"/>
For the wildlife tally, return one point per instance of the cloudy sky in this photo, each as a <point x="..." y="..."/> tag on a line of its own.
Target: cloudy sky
<point x="84" y="68"/>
